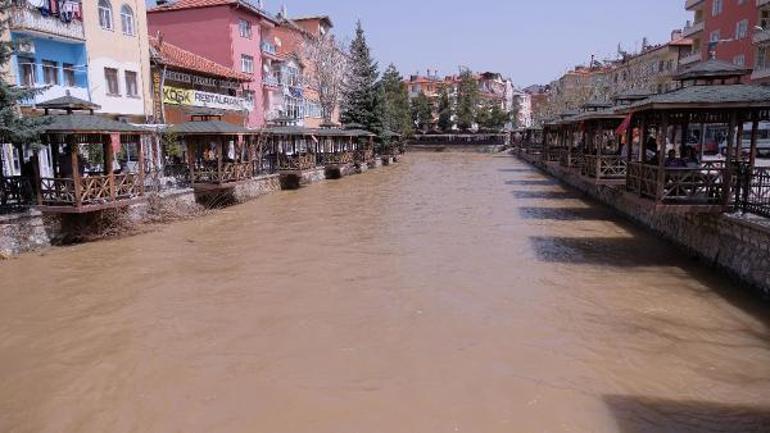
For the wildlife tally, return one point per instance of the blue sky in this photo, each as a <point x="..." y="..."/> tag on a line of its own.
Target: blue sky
<point x="531" y="41"/>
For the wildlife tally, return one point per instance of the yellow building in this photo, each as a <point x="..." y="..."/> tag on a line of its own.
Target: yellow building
<point x="118" y="57"/>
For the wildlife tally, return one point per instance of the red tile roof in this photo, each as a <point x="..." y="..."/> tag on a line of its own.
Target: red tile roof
<point x="194" y="4"/>
<point x="174" y="56"/>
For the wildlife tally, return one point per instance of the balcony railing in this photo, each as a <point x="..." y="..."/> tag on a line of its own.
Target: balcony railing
<point x="270" y="81"/>
<point x="25" y="18"/>
<point x="761" y="3"/>
<point x="693" y="28"/>
<point x="692" y="58"/>
<point x="761" y="37"/>
<point x="268" y="48"/>
<point x="689" y="4"/>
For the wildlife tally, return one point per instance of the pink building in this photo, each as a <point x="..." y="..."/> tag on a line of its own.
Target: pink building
<point x="228" y="32"/>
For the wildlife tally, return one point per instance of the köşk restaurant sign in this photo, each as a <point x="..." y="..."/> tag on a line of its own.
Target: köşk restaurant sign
<point x="197" y="98"/>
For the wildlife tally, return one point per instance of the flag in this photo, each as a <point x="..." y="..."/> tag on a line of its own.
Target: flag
<point x="624" y="126"/>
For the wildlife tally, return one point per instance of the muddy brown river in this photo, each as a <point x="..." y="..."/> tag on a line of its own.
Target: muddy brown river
<point x="450" y="293"/>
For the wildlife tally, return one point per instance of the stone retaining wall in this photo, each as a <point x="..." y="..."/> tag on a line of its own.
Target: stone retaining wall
<point x="736" y="244"/>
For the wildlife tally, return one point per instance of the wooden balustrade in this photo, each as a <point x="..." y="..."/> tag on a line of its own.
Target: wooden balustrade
<point x="362" y="156"/>
<point x="604" y="167"/>
<point x="14" y="191"/>
<point x="296" y="162"/>
<point x="339" y="158"/>
<point x="91" y="190"/>
<point x="704" y="185"/>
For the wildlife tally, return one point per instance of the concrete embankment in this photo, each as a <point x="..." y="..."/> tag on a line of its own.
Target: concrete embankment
<point x="736" y="244"/>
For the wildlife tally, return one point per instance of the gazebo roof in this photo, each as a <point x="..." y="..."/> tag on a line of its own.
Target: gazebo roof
<point x="607" y="113"/>
<point x="712" y="69"/>
<point x="319" y="132"/>
<point x="694" y="97"/>
<point x="208" y="127"/>
<point x="87" y="124"/>
<point x="68" y="103"/>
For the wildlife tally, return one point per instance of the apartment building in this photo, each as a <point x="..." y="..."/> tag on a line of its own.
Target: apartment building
<point x="722" y="29"/>
<point x="118" y="57"/>
<point x="761" y="41"/>
<point x="651" y="70"/>
<point x="289" y="93"/>
<point x="229" y="32"/>
<point x="51" y="50"/>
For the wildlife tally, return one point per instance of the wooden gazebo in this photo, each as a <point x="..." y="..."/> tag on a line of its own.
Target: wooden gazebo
<point x="97" y="163"/>
<point x="602" y="160"/>
<point x="218" y="153"/>
<point x="665" y="166"/>
<point x="295" y="147"/>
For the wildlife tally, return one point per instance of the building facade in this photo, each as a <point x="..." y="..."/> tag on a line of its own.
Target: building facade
<point x="289" y="89"/>
<point x="51" y="51"/>
<point x="185" y="84"/>
<point x="118" y="57"/>
<point x="723" y="29"/>
<point x="229" y="32"/>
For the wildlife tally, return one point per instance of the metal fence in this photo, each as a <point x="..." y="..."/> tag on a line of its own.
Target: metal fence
<point x="752" y="190"/>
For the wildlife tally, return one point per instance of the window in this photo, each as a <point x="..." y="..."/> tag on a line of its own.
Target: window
<point x="248" y="95"/>
<point x="247" y="64"/>
<point x="127" y="21"/>
<point x="294" y="108"/>
<point x="715" y="36"/>
<point x="111" y="78"/>
<point x="742" y="29"/>
<point x="69" y="74"/>
<point x="50" y="72"/>
<point x="716" y="7"/>
<point x="131" y="88"/>
<point x="764" y="20"/>
<point x="761" y="58"/>
<point x="739" y="60"/>
<point x="245" y="28"/>
<point x="105" y="14"/>
<point x="27" y="71"/>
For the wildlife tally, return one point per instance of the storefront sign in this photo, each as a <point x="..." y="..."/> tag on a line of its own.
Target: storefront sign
<point x="196" y="98"/>
<point x="199" y="80"/>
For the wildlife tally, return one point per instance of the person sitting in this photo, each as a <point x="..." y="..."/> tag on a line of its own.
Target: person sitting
<point x="691" y="157"/>
<point x="672" y="161"/>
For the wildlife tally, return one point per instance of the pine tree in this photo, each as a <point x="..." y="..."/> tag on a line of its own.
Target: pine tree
<point x="445" y="112"/>
<point x="13" y="127"/>
<point x="396" y="114"/>
<point x="422" y="112"/>
<point x="467" y="100"/>
<point x="362" y="98"/>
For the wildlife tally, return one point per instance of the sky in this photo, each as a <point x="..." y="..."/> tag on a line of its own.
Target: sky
<point x="530" y="41"/>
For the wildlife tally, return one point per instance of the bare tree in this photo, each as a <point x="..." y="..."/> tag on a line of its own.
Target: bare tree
<point x="327" y="68"/>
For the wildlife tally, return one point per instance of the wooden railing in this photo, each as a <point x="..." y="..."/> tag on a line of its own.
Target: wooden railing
<point x="604" y="167"/>
<point x="91" y="190"/>
<point x="127" y="185"/>
<point x="704" y="185"/>
<point x="95" y="190"/>
<point x="236" y="172"/>
<point x="58" y="191"/>
<point x="340" y="158"/>
<point x="296" y="162"/>
<point x="14" y="191"/>
<point x="363" y="156"/>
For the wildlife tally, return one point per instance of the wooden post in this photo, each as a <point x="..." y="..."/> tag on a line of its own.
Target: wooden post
<point x="73" y="149"/>
<point x="727" y="179"/>
<point x="739" y="142"/>
<point x="663" y="136"/>
<point x="754" y="137"/>
<point x="140" y="149"/>
<point x="191" y="156"/>
<point x="109" y="157"/>
<point x="220" y="149"/>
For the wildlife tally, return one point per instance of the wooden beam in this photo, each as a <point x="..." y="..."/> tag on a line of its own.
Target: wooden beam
<point x="73" y="149"/>
<point x="754" y="137"/>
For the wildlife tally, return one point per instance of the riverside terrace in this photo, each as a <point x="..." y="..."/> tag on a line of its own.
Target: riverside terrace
<point x="132" y="171"/>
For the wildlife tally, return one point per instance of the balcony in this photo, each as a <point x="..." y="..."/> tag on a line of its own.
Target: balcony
<point x="24" y="18"/>
<point x="48" y="92"/>
<point x="269" y="49"/>
<point x="761" y="3"/>
<point x="760" y="73"/>
<point x="690" y="4"/>
<point x="270" y="81"/>
<point x="761" y="37"/>
<point x="692" y="58"/>
<point x="691" y="29"/>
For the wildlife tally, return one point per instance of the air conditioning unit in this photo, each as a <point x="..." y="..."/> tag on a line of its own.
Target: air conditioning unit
<point x="25" y="47"/>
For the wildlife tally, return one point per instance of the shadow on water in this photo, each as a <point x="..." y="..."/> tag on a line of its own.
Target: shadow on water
<point x="565" y="213"/>
<point x="547" y="195"/>
<point x="598" y="251"/>
<point x="636" y="414"/>
<point x="532" y="182"/>
<point x="517" y="170"/>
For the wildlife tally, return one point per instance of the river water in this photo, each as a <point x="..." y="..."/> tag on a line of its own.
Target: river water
<point x="450" y="293"/>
